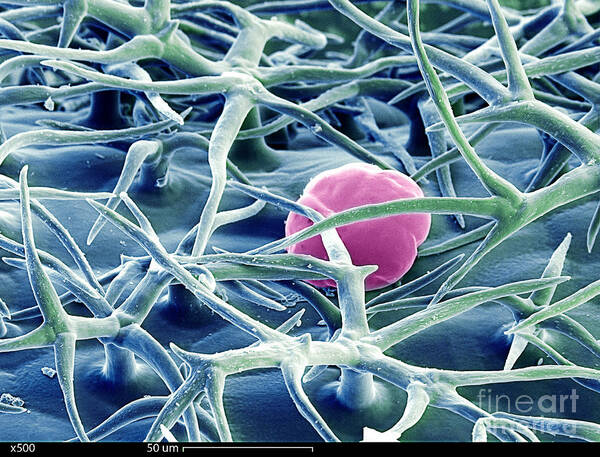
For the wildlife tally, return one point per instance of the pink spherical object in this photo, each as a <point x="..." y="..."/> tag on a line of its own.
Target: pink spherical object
<point x="390" y="243"/>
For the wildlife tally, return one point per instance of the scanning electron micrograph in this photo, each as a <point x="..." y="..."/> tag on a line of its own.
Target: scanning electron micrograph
<point x="299" y="221"/>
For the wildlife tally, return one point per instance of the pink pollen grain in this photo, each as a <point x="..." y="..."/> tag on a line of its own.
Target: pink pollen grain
<point x="390" y="243"/>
